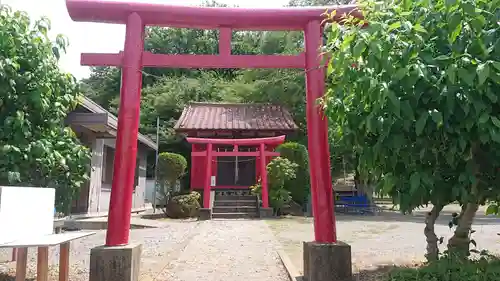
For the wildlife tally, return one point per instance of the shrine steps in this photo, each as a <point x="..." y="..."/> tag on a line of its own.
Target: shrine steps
<point x="235" y="207"/>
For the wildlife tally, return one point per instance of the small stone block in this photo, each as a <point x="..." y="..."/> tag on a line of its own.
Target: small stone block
<point x="327" y="262"/>
<point x="118" y="263"/>
<point x="205" y="214"/>
<point x="265" y="212"/>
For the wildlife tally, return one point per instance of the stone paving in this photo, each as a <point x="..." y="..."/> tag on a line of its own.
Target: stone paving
<point x="184" y="250"/>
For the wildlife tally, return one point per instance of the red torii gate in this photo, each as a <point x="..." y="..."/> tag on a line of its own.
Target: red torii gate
<point x="137" y="15"/>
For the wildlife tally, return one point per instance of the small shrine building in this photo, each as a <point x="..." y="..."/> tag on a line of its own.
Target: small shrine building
<point x="232" y="144"/>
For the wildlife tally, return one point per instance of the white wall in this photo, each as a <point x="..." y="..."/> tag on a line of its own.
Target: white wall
<point x="100" y="195"/>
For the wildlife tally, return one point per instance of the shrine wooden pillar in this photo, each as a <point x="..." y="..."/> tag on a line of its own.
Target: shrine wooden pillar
<point x="263" y="175"/>
<point x="317" y="138"/>
<point x="208" y="175"/>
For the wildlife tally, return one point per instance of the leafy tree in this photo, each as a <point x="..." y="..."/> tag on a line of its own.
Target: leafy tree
<point x="35" y="147"/>
<point x="415" y="93"/>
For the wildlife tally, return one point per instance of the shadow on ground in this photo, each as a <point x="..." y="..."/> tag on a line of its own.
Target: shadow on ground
<point x="8" y="277"/>
<point x="377" y="274"/>
<point x="416" y="217"/>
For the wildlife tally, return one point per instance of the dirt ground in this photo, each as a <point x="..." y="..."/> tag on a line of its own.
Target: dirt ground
<point x="215" y="250"/>
<point x="382" y="241"/>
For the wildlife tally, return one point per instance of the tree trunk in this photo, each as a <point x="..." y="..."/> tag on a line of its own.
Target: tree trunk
<point x="460" y="241"/>
<point x="430" y="235"/>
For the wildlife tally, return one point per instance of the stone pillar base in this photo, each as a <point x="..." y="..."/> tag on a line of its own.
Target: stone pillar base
<point x="327" y="262"/>
<point x="119" y="263"/>
<point x="265" y="212"/>
<point x="205" y="214"/>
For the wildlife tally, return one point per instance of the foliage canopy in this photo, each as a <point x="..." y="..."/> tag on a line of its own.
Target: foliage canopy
<point x="415" y="93"/>
<point x="35" y="147"/>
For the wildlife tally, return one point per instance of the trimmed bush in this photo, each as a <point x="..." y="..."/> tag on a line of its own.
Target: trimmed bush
<point x="171" y="167"/>
<point x="299" y="186"/>
<point x="184" y="206"/>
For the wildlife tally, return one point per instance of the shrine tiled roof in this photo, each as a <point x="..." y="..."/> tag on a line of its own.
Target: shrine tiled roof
<point x="235" y="116"/>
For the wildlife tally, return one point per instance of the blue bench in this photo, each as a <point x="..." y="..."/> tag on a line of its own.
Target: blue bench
<point x="359" y="204"/>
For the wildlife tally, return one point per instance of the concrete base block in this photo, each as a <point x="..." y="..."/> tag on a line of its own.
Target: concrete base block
<point x="205" y="214"/>
<point x="119" y="263"/>
<point x="265" y="212"/>
<point x="327" y="262"/>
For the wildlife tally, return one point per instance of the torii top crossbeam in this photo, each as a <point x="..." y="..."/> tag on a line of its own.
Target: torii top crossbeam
<point x="294" y="18"/>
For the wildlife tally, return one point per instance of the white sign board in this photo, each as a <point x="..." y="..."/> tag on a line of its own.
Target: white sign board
<point x="25" y="212"/>
<point x="212" y="181"/>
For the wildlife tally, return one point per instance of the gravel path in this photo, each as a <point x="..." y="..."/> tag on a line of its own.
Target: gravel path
<point x="188" y="251"/>
<point x="160" y="245"/>
<point x="382" y="240"/>
<point x="226" y="250"/>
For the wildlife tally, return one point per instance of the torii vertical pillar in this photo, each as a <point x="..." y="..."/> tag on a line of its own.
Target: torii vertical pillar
<point x="119" y="260"/>
<point x="325" y="259"/>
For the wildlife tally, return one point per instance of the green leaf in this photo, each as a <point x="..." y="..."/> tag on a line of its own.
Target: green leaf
<point x="484" y="118"/>
<point x="451" y="72"/>
<point x="466" y="76"/>
<point x="437" y="117"/>
<point x="395" y="101"/>
<point x="495" y="121"/>
<point x="442" y="57"/>
<point x="400" y="73"/>
<point x="483" y="71"/>
<point x="450" y="3"/>
<point x="394" y="25"/>
<point x="496" y="64"/>
<point x="419" y="28"/>
<point x="414" y="182"/>
<point x="455" y="25"/>
<point x="358" y="49"/>
<point x="469" y="8"/>
<point x="492" y="96"/>
<point x="407" y="109"/>
<point x="420" y="125"/>
<point x="492" y="210"/>
<point x="495" y="136"/>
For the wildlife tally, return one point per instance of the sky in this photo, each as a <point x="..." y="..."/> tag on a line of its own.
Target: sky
<point x="96" y="37"/>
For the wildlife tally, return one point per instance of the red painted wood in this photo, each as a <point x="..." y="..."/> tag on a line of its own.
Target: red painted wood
<point x="224" y="187"/>
<point x="225" y="36"/>
<point x="256" y="141"/>
<point x="101" y="59"/>
<point x="208" y="170"/>
<point x="194" y="164"/>
<point x="263" y="176"/>
<point x="235" y="153"/>
<point x="317" y="133"/>
<point x="120" y="203"/>
<point x="293" y="18"/>
<point x="200" y="61"/>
